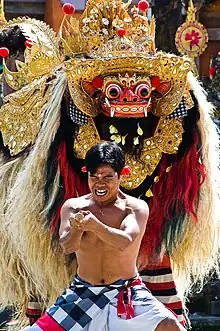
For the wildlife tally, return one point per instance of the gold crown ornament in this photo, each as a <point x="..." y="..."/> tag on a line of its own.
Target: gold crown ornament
<point x="110" y="51"/>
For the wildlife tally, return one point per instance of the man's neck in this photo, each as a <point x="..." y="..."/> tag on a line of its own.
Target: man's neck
<point x="106" y="203"/>
<point x="112" y="201"/>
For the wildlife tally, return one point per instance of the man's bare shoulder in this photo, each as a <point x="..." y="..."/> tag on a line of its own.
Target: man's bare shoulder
<point x="77" y="203"/>
<point x="137" y="204"/>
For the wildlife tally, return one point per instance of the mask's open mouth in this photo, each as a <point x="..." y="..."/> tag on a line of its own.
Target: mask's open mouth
<point x="128" y="109"/>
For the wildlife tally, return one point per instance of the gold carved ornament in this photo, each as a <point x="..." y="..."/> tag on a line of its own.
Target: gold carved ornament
<point x="22" y="113"/>
<point x="43" y="56"/>
<point x="112" y="55"/>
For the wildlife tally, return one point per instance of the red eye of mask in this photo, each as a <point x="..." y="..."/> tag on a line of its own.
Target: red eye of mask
<point x="143" y="91"/>
<point x="113" y="91"/>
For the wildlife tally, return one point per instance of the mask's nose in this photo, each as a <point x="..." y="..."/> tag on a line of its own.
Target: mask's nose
<point x="128" y="96"/>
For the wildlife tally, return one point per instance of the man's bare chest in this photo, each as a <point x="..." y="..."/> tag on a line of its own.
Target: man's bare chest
<point x="110" y="216"/>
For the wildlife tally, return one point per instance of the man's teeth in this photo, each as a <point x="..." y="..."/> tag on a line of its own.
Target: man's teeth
<point x="100" y="192"/>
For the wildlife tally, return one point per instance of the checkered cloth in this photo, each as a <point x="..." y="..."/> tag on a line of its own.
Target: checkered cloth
<point x="179" y="112"/>
<point x="76" y="115"/>
<point x="81" y="302"/>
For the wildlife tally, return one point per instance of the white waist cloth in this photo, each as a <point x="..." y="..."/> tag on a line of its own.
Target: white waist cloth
<point x="147" y="317"/>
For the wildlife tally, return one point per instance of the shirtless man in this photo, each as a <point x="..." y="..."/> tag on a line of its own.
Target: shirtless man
<point x="105" y="229"/>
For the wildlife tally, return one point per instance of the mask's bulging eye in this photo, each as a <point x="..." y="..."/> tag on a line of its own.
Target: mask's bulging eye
<point x="143" y="91"/>
<point x="113" y="91"/>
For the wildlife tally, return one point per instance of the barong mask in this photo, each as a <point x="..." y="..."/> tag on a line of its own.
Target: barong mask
<point x="123" y="95"/>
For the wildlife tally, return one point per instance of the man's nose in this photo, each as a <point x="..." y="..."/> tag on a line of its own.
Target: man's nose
<point x="100" y="178"/>
<point x="100" y="183"/>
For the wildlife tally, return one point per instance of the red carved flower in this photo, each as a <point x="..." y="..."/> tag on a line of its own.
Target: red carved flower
<point x="193" y="37"/>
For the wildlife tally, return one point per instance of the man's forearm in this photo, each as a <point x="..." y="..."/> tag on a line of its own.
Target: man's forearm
<point x="114" y="237"/>
<point x="70" y="242"/>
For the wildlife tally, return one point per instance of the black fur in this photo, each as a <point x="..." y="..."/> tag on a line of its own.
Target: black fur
<point x="13" y="39"/>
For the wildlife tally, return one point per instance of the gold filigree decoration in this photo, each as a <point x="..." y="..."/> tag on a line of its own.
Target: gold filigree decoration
<point x="189" y="103"/>
<point x="42" y="58"/>
<point x="40" y="65"/>
<point x="21" y="115"/>
<point x="166" y="139"/>
<point x="166" y="67"/>
<point x="125" y="80"/>
<point x="18" y="78"/>
<point x="87" y="137"/>
<point x="38" y="32"/>
<point x="71" y="37"/>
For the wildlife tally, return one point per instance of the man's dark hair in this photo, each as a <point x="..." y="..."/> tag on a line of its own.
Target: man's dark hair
<point x="105" y="153"/>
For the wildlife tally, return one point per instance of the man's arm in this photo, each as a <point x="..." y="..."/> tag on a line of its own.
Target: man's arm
<point x="132" y="226"/>
<point x="70" y="235"/>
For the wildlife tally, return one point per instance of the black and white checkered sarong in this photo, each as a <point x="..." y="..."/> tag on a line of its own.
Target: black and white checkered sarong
<point x="81" y="302"/>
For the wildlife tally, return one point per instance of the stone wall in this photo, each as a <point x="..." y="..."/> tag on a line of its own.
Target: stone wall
<point x="33" y="8"/>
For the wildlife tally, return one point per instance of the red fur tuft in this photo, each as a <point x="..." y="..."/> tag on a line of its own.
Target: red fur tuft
<point x="72" y="184"/>
<point x="176" y="192"/>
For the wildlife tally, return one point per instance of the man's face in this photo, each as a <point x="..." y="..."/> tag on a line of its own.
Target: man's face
<point x="104" y="183"/>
